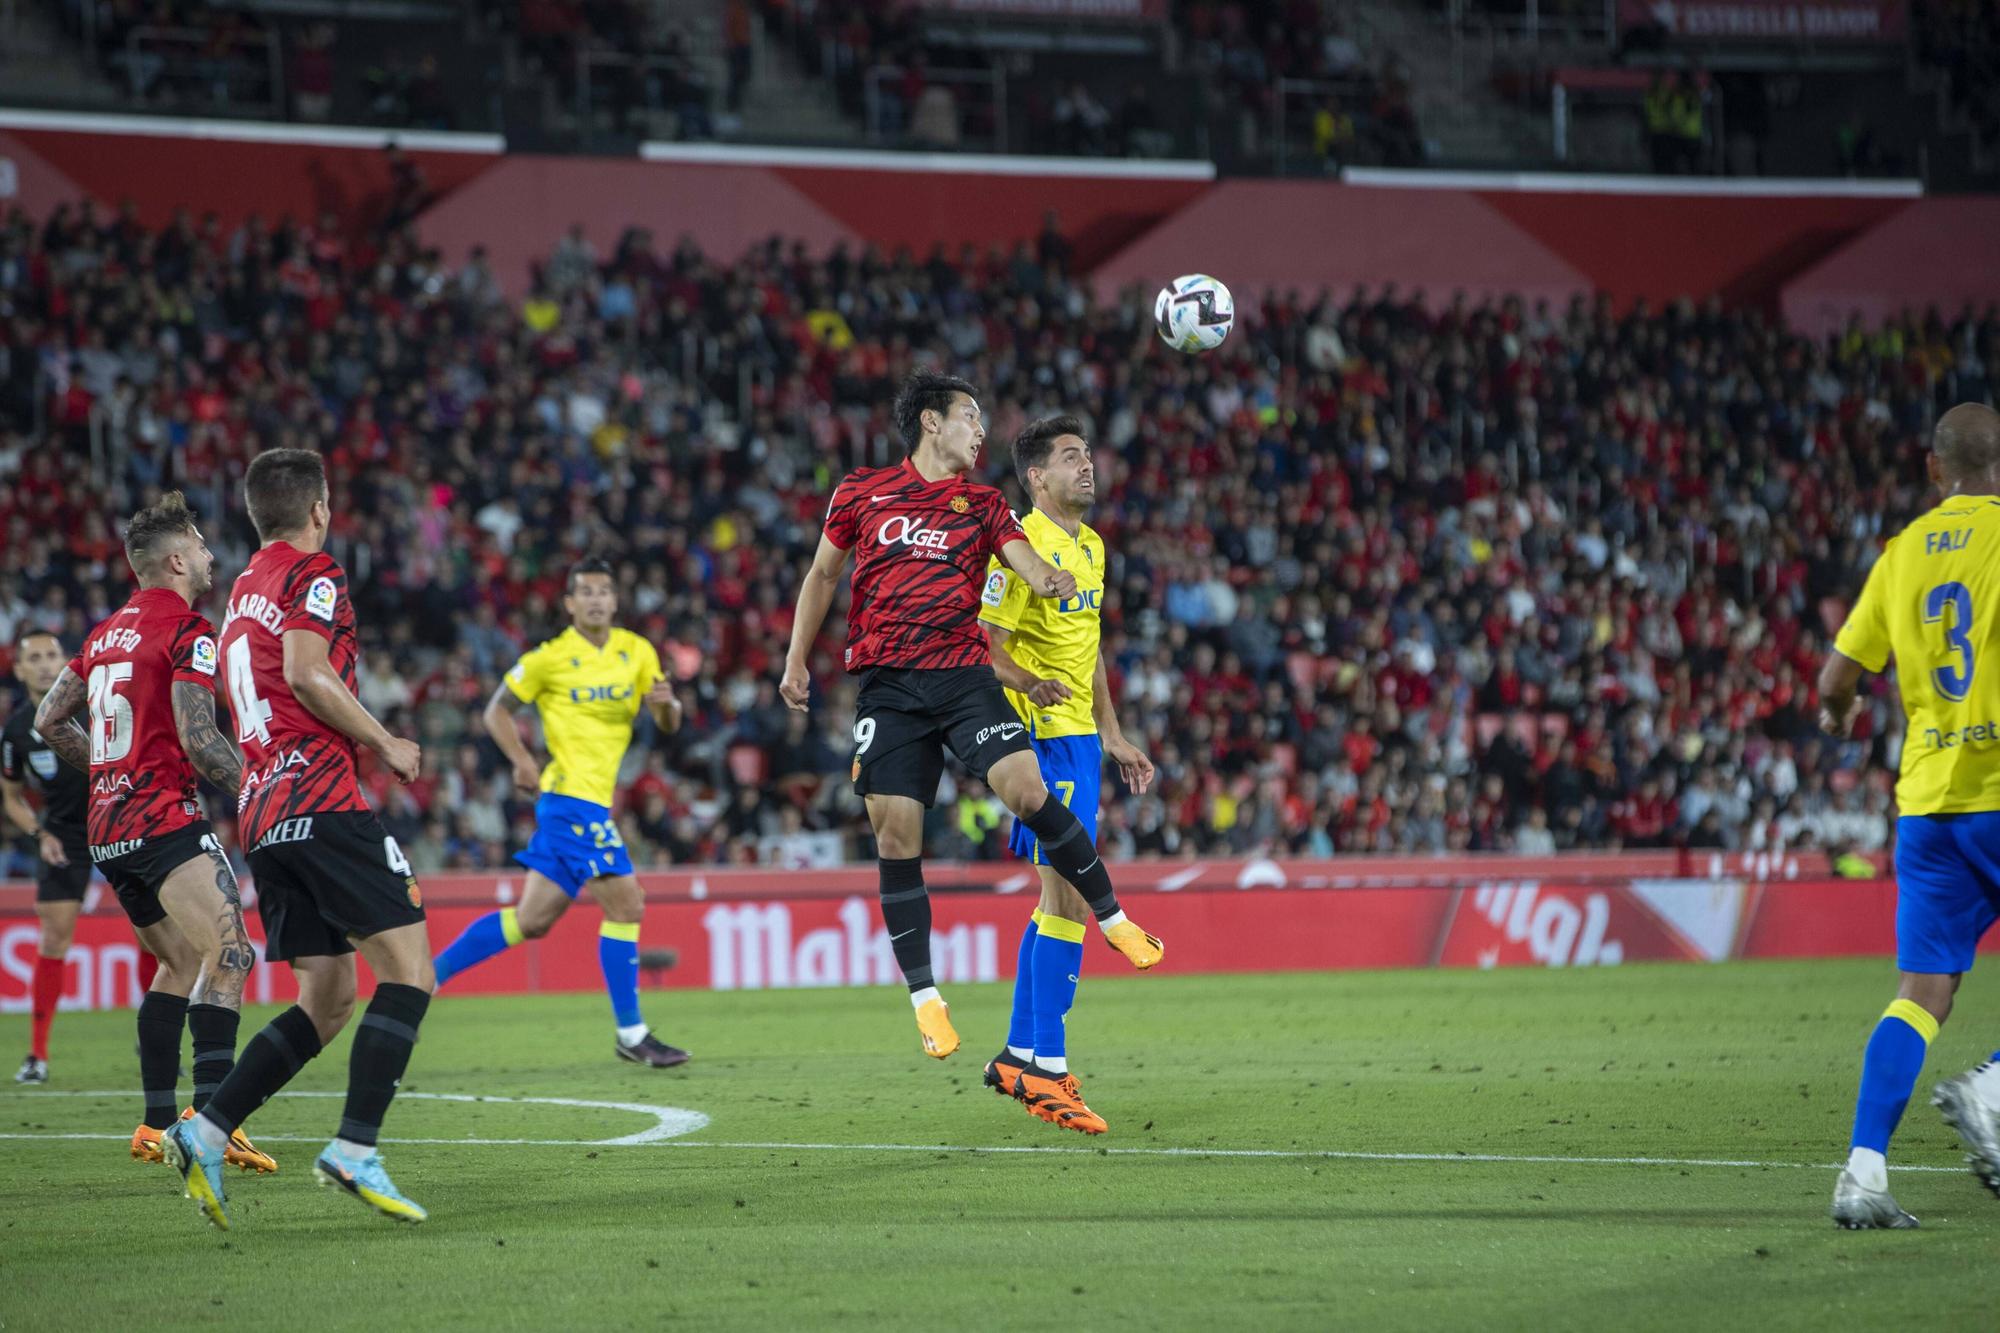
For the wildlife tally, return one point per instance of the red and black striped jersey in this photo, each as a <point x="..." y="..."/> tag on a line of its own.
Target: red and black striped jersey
<point x="141" y="783"/>
<point x="293" y="763"/>
<point x="920" y="553"/>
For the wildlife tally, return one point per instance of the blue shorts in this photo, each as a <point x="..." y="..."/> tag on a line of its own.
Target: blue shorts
<point x="1947" y="888"/>
<point x="1073" y="768"/>
<point x="575" y="842"/>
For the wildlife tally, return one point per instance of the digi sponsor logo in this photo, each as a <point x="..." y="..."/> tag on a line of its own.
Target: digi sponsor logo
<point x="598" y="694"/>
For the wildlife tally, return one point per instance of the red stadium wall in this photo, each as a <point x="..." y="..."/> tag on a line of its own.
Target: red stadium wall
<point x="1541" y="239"/>
<point x="753" y="930"/>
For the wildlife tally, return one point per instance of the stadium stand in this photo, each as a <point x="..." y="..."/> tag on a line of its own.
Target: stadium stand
<point x="1389" y="577"/>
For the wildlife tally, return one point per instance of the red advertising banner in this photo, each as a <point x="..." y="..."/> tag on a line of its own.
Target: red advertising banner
<point x="753" y="930"/>
<point x="1800" y="22"/>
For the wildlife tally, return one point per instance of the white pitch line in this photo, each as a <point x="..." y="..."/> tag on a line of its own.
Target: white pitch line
<point x="660" y="1137"/>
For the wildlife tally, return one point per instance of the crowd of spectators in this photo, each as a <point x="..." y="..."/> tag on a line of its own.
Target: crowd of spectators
<point x="1390" y="572"/>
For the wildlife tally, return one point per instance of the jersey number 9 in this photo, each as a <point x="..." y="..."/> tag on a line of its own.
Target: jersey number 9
<point x="1953" y="682"/>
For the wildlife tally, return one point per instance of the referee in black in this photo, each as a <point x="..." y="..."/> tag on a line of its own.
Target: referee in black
<point x="63" y="870"/>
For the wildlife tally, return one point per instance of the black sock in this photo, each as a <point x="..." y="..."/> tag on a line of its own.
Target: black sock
<point x="161" y="1018"/>
<point x="279" y="1050"/>
<point x="1067" y="848"/>
<point x="214" y="1031"/>
<point x="906" y="911"/>
<point x="382" y="1045"/>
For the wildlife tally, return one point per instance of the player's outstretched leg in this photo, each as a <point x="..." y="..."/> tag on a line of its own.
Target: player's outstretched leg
<point x="1970" y="1104"/>
<point x="1003" y="1071"/>
<point x="624" y="903"/>
<point x="1067" y="849"/>
<point x="1861" y="1198"/>
<point x="382" y="1044"/>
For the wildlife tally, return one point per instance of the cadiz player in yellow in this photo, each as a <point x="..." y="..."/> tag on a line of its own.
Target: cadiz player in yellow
<point x="1047" y="654"/>
<point x="1933" y="603"/>
<point x="588" y="683"/>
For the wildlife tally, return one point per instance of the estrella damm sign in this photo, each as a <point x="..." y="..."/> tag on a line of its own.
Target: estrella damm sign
<point x="599" y="694"/>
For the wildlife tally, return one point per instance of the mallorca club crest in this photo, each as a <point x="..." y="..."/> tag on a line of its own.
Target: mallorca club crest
<point x="959" y="504"/>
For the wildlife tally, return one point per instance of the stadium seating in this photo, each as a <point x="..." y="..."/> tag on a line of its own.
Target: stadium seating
<point x="1389" y="577"/>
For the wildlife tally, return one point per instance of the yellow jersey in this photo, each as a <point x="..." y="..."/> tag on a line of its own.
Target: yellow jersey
<point x="1933" y="602"/>
<point x="587" y="697"/>
<point x="1052" y="638"/>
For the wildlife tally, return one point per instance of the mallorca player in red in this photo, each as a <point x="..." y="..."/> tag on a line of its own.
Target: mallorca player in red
<point x="330" y="879"/>
<point x="921" y="533"/>
<point x="147" y="678"/>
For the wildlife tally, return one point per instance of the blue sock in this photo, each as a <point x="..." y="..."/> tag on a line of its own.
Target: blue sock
<point x="1889" y="1072"/>
<point x="496" y="932"/>
<point x="618" y="955"/>
<point x="1058" y="961"/>
<point x="1021" y="1027"/>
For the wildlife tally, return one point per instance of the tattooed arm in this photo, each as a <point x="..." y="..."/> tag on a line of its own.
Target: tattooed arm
<point x="212" y="756"/>
<point x="56" y="721"/>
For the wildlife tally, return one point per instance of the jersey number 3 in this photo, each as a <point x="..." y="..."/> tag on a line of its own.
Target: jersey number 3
<point x="1951" y="605"/>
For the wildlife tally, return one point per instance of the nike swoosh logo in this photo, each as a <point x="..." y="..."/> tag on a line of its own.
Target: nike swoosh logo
<point x="878" y="499"/>
<point x="911" y="931"/>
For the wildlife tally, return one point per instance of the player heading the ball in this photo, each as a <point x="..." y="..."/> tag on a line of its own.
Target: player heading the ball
<point x="921" y="534"/>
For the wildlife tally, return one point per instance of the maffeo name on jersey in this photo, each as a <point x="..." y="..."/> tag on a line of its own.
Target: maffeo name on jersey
<point x="116" y="641"/>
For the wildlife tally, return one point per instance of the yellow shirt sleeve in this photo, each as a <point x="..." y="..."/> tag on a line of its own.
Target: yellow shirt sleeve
<point x="525" y="679"/>
<point x="648" y="659"/>
<point x="1865" y="636"/>
<point x="1005" y="597"/>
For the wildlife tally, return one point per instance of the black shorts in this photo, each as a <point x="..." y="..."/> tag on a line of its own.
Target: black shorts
<point x="136" y="870"/>
<point x="335" y="878"/>
<point x="64" y="884"/>
<point x="904" y="717"/>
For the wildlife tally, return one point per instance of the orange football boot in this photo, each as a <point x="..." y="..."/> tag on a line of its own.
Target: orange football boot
<point x="1057" y="1099"/>
<point x="146" y="1144"/>
<point x="934" y="1023"/>
<point x="1140" y="949"/>
<point x="1003" y="1073"/>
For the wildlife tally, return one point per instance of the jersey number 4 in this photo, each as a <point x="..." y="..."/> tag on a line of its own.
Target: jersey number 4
<point x="253" y="715"/>
<point x="1950" y="604"/>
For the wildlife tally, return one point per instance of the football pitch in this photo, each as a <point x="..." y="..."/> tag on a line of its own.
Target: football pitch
<point x="1638" y="1147"/>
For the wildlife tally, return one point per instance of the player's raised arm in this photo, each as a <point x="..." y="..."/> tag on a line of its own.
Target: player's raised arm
<point x="310" y="676"/>
<point x="56" y="720"/>
<point x="822" y="581"/>
<point x="1042" y="577"/>
<point x="506" y="733"/>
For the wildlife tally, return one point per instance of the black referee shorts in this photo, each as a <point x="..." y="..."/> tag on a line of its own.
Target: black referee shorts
<point x="905" y="717"/>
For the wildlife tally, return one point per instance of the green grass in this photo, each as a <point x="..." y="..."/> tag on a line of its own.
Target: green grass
<point x="1752" y="1062"/>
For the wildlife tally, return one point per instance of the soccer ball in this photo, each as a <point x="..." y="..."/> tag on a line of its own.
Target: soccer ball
<point x="1194" y="313"/>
